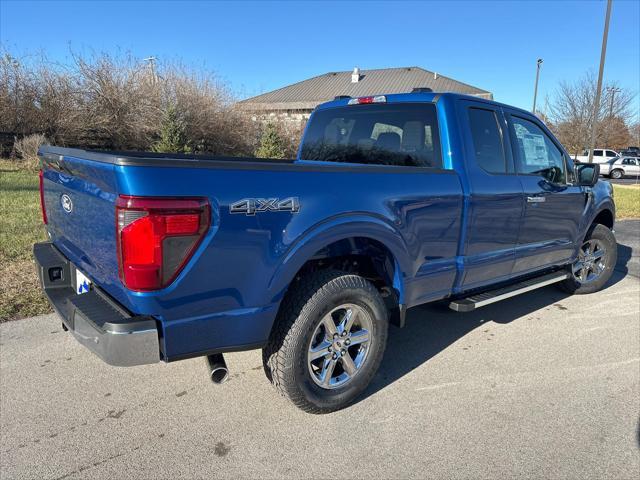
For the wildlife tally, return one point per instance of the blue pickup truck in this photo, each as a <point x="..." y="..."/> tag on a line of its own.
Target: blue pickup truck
<point x="394" y="201"/>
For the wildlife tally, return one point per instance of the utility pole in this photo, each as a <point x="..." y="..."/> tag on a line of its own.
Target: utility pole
<point x="152" y="65"/>
<point x="596" y="106"/>
<point x="535" y="89"/>
<point x="612" y="93"/>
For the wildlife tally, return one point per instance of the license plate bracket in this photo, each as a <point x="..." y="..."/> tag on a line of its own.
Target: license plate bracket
<point x="83" y="283"/>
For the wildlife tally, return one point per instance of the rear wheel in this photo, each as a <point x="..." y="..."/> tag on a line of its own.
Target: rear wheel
<point x="617" y="174"/>
<point x="595" y="263"/>
<point x="328" y="342"/>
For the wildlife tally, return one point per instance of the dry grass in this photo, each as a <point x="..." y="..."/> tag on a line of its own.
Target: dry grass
<point x="20" y="227"/>
<point x="27" y="150"/>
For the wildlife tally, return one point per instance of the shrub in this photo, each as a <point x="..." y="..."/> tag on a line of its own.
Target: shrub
<point x="118" y="102"/>
<point x="172" y="134"/>
<point x="272" y="145"/>
<point x="26" y="149"/>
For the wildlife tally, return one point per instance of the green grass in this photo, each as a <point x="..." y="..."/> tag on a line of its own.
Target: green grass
<point x="20" y="227"/>
<point x="627" y="199"/>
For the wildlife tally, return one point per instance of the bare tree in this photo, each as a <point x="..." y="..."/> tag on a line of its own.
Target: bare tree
<point x="571" y="114"/>
<point x="635" y="134"/>
<point x="119" y="102"/>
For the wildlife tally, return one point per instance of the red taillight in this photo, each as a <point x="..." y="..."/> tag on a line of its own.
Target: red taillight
<point x="156" y="238"/>
<point x="366" y="100"/>
<point x="42" y="207"/>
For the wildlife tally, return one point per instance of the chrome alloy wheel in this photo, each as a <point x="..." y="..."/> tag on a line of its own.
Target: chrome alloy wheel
<point x="339" y="346"/>
<point x="591" y="262"/>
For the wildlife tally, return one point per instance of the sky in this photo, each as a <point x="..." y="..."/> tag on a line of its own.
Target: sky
<point x="259" y="46"/>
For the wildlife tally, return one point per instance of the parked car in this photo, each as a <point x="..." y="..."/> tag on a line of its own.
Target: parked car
<point x="394" y="201"/>
<point x="600" y="155"/>
<point x="630" y="152"/>
<point x="621" y="167"/>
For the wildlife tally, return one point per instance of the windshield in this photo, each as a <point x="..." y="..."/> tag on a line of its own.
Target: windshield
<point x="403" y="134"/>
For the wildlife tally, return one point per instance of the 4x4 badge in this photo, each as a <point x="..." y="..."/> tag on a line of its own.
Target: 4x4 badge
<point x="251" y="206"/>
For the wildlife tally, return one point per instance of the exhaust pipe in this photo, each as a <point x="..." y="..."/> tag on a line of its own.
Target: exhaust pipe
<point x="218" y="370"/>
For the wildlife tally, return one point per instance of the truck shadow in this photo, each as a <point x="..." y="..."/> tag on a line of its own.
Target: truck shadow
<point x="625" y="255"/>
<point x="430" y="329"/>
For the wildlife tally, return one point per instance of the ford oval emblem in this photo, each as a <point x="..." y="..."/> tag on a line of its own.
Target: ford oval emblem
<point x="67" y="204"/>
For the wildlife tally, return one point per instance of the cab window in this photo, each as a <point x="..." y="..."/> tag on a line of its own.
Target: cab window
<point x="487" y="140"/>
<point x="536" y="154"/>
<point x="401" y="134"/>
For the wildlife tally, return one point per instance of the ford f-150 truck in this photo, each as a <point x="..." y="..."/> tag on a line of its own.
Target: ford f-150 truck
<point x="393" y="201"/>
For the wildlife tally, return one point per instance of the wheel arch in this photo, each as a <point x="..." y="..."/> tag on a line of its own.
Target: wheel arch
<point x="364" y="245"/>
<point x="604" y="217"/>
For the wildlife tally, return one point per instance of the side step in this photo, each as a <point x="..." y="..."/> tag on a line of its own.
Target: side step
<point x="481" y="299"/>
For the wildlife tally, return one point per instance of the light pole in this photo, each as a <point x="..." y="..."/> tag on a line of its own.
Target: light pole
<point x="535" y="89"/>
<point x="596" y="106"/>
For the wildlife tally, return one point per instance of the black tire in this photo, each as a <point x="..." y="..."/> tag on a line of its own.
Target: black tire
<point x="616" y="174"/>
<point x="601" y="234"/>
<point x="310" y="300"/>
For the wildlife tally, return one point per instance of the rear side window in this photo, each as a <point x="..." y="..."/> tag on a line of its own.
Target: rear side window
<point x="487" y="140"/>
<point x="536" y="153"/>
<point x="401" y="134"/>
<point x="596" y="153"/>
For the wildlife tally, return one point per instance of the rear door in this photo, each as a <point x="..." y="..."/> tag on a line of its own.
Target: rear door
<point x="496" y="200"/>
<point x="553" y="205"/>
<point x="598" y="156"/>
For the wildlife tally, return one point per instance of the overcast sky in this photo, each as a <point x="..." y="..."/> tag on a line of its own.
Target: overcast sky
<point x="260" y="46"/>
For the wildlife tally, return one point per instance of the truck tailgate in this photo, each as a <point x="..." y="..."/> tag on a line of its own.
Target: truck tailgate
<point x="79" y="200"/>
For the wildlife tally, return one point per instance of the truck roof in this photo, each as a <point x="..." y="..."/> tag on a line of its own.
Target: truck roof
<point x="419" y="97"/>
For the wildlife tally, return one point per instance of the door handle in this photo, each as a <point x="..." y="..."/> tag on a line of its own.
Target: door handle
<point x="536" y="199"/>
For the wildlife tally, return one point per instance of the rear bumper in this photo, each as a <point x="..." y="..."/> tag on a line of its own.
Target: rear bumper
<point x="97" y="322"/>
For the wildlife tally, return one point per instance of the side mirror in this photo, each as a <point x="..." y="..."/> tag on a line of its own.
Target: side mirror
<point x="587" y="174"/>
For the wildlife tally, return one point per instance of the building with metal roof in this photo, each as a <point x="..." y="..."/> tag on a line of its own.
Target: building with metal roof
<point x="298" y="100"/>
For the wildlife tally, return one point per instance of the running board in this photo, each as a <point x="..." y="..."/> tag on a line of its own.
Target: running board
<point x="481" y="299"/>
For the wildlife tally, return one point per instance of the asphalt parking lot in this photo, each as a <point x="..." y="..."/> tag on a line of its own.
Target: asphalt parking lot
<point x="625" y="181"/>
<point x="541" y="385"/>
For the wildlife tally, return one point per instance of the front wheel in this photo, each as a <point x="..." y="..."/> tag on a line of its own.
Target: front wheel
<point x="328" y="342"/>
<point x="595" y="263"/>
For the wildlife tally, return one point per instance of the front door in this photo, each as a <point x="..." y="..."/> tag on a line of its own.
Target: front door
<point x="631" y="167"/>
<point x="553" y="206"/>
<point x="495" y="201"/>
